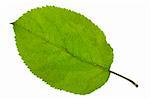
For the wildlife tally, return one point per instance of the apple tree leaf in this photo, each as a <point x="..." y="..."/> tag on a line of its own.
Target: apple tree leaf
<point x="64" y="48"/>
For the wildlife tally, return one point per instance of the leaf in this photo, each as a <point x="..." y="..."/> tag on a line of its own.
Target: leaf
<point x="64" y="49"/>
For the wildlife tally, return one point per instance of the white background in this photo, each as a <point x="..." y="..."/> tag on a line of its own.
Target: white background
<point x="126" y="24"/>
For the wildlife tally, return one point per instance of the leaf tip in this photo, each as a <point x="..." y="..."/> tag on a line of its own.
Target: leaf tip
<point x="12" y="23"/>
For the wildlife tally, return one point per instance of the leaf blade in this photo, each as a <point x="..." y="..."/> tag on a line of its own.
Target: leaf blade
<point x="65" y="54"/>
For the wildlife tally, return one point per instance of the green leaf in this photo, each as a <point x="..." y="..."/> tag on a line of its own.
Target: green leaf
<point x="64" y="49"/>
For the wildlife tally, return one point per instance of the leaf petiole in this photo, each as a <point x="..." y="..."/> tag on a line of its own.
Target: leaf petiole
<point x="135" y="84"/>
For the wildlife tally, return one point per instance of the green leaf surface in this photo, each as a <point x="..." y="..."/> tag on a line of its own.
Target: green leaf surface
<point x="64" y="49"/>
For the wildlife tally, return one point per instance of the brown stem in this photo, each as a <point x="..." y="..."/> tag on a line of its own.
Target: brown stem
<point x="135" y="84"/>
